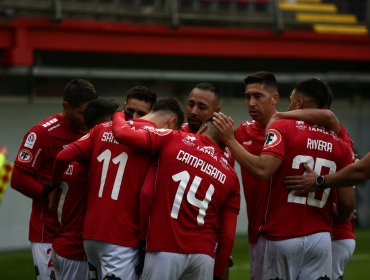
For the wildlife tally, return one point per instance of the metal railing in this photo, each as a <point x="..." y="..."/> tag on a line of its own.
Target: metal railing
<point x="224" y="13"/>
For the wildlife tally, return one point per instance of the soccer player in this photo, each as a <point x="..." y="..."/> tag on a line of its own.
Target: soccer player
<point x="68" y="254"/>
<point x="34" y="163"/>
<point x="139" y="101"/>
<point x="196" y="202"/>
<point x="343" y="232"/>
<point x="261" y="96"/>
<point x="295" y="239"/>
<point x="111" y="229"/>
<point x="201" y="104"/>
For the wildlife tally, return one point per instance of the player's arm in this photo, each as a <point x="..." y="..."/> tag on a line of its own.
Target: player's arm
<point x="126" y="134"/>
<point x="27" y="164"/>
<point x="346" y="203"/>
<point x="262" y="167"/>
<point x="322" y="117"/>
<point x="26" y="183"/>
<point x="350" y="175"/>
<point x="225" y="242"/>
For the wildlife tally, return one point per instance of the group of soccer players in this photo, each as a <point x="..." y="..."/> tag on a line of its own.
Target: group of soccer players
<point x="137" y="194"/>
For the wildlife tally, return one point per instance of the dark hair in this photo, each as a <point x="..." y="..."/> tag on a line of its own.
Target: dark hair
<point x="208" y="86"/>
<point x="78" y="91"/>
<point x="142" y="93"/>
<point x="263" y="77"/>
<point x="172" y="105"/>
<point x="318" y="90"/>
<point x="98" y="109"/>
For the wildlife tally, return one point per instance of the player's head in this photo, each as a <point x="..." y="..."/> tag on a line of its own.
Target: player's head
<point x="76" y="94"/>
<point x="99" y="110"/>
<point x="202" y="103"/>
<point x="261" y="95"/>
<point x="139" y="101"/>
<point x="209" y="130"/>
<point x="311" y="93"/>
<point x="169" y="113"/>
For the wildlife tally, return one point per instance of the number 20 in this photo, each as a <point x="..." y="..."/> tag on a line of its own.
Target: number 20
<point x="184" y="178"/>
<point x="317" y="167"/>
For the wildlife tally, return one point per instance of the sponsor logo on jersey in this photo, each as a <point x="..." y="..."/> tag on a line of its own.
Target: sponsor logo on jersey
<point x="248" y="143"/>
<point x="225" y="163"/>
<point x="300" y="125"/>
<point x="189" y="140"/>
<point x="209" y="150"/>
<point x="69" y="170"/>
<point x="54" y="127"/>
<point x="25" y="156"/>
<point x="49" y="123"/>
<point x="30" y="140"/>
<point x="273" y="138"/>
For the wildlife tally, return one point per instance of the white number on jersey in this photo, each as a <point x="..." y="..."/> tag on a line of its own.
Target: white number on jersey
<point x="317" y="167"/>
<point x="64" y="186"/>
<point x="184" y="178"/>
<point x="121" y="159"/>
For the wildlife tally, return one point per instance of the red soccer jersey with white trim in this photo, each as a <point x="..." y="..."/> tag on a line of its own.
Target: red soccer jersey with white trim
<point x="296" y="143"/>
<point x="72" y="201"/>
<point x="344" y="230"/>
<point x="194" y="184"/>
<point x="116" y="175"/>
<point x="252" y="137"/>
<point x="35" y="157"/>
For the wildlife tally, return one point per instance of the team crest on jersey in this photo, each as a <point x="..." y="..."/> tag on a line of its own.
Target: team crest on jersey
<point x="208" y="150"/>
<point x="273" y="138"/>
<point x="189" y="140"/>
<point x="25" y="156"/>
<point x="87" y="135"/>
<point x="30" y="140"/>
<point x="300" y="125"/>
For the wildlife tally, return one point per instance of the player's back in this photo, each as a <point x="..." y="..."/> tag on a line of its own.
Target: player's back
<point x="116" y="175"/>
<point x="195" y="183"/>
<point x="71" y="210"/>
<point x="36" y="156"/>
<point x="295" y="142"/>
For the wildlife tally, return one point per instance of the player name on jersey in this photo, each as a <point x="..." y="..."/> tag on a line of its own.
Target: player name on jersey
<point x="205" y="167"/>
<point x="315" y="144"/>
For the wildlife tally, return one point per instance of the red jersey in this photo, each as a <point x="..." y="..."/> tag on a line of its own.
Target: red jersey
<point x="34" y="165"/>
<point x="116" y="175"/>
<point x="252" y="137"/>
<point x="344" y="230"/>
<point x="296" y="143"/>
<point x="185" y="128"/>
<point x="72" y="201"/>
<point x="194" y="184"/>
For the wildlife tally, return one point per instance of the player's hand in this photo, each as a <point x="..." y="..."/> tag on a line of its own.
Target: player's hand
<point x="302" y="184"/>
<point x="225" y="126"/>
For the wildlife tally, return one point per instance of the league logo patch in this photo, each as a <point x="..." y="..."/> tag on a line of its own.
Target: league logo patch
<point x="30" y="140"/>
<point x="24" y="156"/>
<point x="273" y="138"/>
